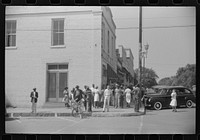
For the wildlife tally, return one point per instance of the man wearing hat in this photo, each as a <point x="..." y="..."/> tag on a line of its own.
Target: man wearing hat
<point x="34" y="96"/>
<point x="78" y="94"/>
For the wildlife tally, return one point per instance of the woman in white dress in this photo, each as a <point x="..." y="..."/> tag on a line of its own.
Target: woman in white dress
<point x="96" y="97"/>
<point x="173" y="102"/>
<point x="128" y="96"/>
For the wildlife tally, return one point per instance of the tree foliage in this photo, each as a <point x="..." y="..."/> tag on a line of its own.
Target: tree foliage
<point x="148" y="77"/>
<point x="166" y="81"/>
<point x="185" y="76"/>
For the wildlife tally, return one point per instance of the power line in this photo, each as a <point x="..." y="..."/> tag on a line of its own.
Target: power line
<point x="152" y="18"/>
<point x="120" y="28"/>
<point x="154" y="27"/>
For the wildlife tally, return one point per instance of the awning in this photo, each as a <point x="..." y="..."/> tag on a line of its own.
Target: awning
<point x="111" y="75"/>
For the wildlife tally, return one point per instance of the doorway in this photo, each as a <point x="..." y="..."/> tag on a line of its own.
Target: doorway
<point x="57" y="80"/>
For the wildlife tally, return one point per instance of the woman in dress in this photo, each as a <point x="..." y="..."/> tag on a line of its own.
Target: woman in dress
<point x="96" y="97"/>
<point x="173" y="102"/>
<point x="128" y="96"/>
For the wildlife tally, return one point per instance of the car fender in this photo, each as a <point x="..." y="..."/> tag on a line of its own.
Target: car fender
<point x="153" y="100"/>
<point x="193" y="99"/>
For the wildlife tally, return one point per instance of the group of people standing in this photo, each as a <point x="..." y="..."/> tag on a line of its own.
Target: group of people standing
<point x="93" y="97"/>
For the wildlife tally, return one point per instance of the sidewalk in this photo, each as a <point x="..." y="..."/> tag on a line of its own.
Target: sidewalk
<point x="66" y="112"/>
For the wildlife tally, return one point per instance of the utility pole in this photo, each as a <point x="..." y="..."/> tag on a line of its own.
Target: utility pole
<point x="143" y="60"/>
<point x="140" y="47"/>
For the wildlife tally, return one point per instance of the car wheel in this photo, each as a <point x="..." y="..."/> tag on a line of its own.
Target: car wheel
<point x="189" y="104"/>
<point x="157" y="106"/>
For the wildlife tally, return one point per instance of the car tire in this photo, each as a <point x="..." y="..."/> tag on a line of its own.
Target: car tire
<point x="157" y="106"/>
<point x="189" y="103"/>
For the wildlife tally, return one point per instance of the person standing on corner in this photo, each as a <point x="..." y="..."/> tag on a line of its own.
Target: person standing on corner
<point x="117" y="96"/>
<point x="66" y="97"/>
<point x="85" y="97"/>
<point x="107" y="94"/>
<point x="128" y="96"/>
<point x="93" y="92"/>
<point x="96" y="97"/>
<point x="88" y="99"/>
<point x="136" y="107"/>
<point x="34" y="97"/>
<point x="122" y="96"/>
<point x="173" y="102"/>
<point x="101" y="97"/>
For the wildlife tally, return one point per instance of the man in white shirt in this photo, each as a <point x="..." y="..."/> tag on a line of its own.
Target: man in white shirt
<point x="107" y="94"/>
<point x="93" y="92"/>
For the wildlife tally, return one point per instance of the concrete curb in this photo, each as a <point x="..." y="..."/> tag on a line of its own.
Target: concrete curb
<point x="102" y="114"/>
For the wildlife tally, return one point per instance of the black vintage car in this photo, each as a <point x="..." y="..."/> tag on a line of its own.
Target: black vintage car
<point x="162" y="97"/>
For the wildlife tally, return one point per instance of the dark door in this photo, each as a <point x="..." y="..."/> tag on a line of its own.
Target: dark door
<point x="52" y="83"/>
<point x="57" y="81"/>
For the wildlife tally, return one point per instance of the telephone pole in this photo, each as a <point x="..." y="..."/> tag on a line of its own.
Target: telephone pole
<point x="140" y="47"/>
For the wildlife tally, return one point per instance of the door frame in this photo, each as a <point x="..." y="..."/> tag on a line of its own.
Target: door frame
<point x="57" y="71"/>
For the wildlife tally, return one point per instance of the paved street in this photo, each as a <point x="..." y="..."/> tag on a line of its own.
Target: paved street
<point x="157" y="122"/>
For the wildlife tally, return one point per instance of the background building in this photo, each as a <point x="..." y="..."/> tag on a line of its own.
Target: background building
<point x="125" y="66"/>
<point x="53" y="47"/>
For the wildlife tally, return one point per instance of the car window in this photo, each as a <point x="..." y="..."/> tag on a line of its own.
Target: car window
<point x="187" y="91"/>
<point x="163" y="92"/>
<point x="169" y="91"/>
<point x="179" y="91"/>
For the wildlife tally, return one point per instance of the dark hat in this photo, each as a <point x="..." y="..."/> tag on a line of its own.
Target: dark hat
<point x="77" y="86"/>
<point x="34" y="88"/>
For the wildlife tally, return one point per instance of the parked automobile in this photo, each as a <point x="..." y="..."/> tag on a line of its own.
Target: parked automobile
<point x="162" y="97"/>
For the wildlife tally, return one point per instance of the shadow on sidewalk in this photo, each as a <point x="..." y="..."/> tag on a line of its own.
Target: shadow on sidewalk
<point x="11" y="119"/>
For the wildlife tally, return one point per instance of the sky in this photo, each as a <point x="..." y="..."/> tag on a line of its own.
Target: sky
<point x="171" y="36"/>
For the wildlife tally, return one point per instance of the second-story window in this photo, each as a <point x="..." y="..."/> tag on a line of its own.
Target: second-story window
<point x="103" y="35"/>
<point x="112" y="48"/>
<point x="10" y="31"/>
<point x="57" y="32"/>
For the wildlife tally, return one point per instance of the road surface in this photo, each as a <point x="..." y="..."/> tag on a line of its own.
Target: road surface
<point x="156" y="122"/>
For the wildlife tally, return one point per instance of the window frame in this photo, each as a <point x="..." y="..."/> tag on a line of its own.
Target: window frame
<point x="103" y="35"/>
<point x="13" y="32"/>
<point x="58" y="32"/>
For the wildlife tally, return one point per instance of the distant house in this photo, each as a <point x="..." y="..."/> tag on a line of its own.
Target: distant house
<point x="53" y="47"/>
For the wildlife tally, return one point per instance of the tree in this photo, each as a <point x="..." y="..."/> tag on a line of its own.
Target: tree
<point x="185" y="76"/>
<point x="166" y="81"/>
<point x="148" y="77"/>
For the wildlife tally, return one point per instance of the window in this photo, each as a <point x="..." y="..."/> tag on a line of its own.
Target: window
<point x="113" y="47"/>
<point x="187" y="91"/>
<point x="57" y="66"/>
<point x="57" y="32"/>
<point x="163" y="92"/>
<point x="10" y="31"/>
<point x="103" y="35"/>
